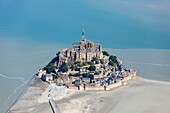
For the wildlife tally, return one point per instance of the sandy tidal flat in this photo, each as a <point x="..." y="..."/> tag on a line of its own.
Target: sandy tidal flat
<point x="141" y="96"/>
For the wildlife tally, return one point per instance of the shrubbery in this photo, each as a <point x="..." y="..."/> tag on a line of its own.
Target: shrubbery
<point x="113" y="60"/>
<point x="105" y="53"/>
<point x="92" y="68"/>
<point x="101" y="61"/>
<point x="51" y="67"/>
<point x="63" y="68"/>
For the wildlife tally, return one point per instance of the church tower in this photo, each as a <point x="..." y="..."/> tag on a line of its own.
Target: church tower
<point x="83" y="38"/>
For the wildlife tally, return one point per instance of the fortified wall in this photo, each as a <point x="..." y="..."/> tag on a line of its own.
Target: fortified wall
<point x="132" y="75"/>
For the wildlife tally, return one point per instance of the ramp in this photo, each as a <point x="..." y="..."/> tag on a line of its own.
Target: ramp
<point x="54" y="106"/>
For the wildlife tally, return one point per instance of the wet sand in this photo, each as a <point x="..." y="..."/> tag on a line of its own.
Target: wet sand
<point x="141" y="95"/>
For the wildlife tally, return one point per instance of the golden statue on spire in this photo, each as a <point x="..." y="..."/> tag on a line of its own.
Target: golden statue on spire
<point x="82" y="29"/>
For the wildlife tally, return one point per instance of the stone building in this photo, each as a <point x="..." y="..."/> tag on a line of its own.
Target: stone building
<point x="85" y="50"/>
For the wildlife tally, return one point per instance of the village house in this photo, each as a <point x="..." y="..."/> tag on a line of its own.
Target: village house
<point x="41" y="72"/>
<point x="49" y="78"/>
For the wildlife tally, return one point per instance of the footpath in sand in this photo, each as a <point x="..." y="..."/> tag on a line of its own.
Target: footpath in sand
<point x="138" y="96"/>
<point x="35" y="100"/>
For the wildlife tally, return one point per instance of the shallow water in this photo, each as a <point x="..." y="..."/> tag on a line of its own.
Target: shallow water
<point x="149" y="63"/>
<point x="17" y="66"/>
<point x="113" y="23"/>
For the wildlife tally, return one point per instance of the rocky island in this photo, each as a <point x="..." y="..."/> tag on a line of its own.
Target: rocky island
<point x="86" y="66"/>
<point x="84" y="79"/>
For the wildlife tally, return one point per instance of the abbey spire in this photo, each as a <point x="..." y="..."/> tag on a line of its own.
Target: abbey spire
<point x="83" y="34"/>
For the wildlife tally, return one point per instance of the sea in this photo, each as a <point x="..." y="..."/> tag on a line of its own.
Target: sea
<point x="33" y="31"/>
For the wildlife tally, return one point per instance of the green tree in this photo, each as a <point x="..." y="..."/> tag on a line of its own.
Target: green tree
<point x="55" y="77"/>
<point x="77" y="69"/>
<point x="97" y="62"/>
<point x="70" y="74"/>
<point x="83" y="59"/>
<point x="63" y="68"/>
<point x="90" y="63"/>
<point x="96" y="73"/>
<point x="78" y="63"/>
<point x="101" y="61"/>
<point x="84" y="63"/>
<point x="94" y="59"/>
<point x="106" y="53"/>
<point x="91" y="76"/>
<point x="113" y="59"/>
<point x="111" y="63"/>
<point x="92" y="68"/>
<point x="72" y="67"/>
<point x="49" y="68"/>
<point x="85" y="75"/>
<point x="53" y="60"/>
<point x="77" y="75"/>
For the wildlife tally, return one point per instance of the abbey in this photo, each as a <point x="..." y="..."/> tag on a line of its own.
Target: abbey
<point x="85" y="50"/>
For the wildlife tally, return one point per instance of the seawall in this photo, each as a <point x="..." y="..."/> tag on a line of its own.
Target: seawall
<point x="132" y="75"/>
